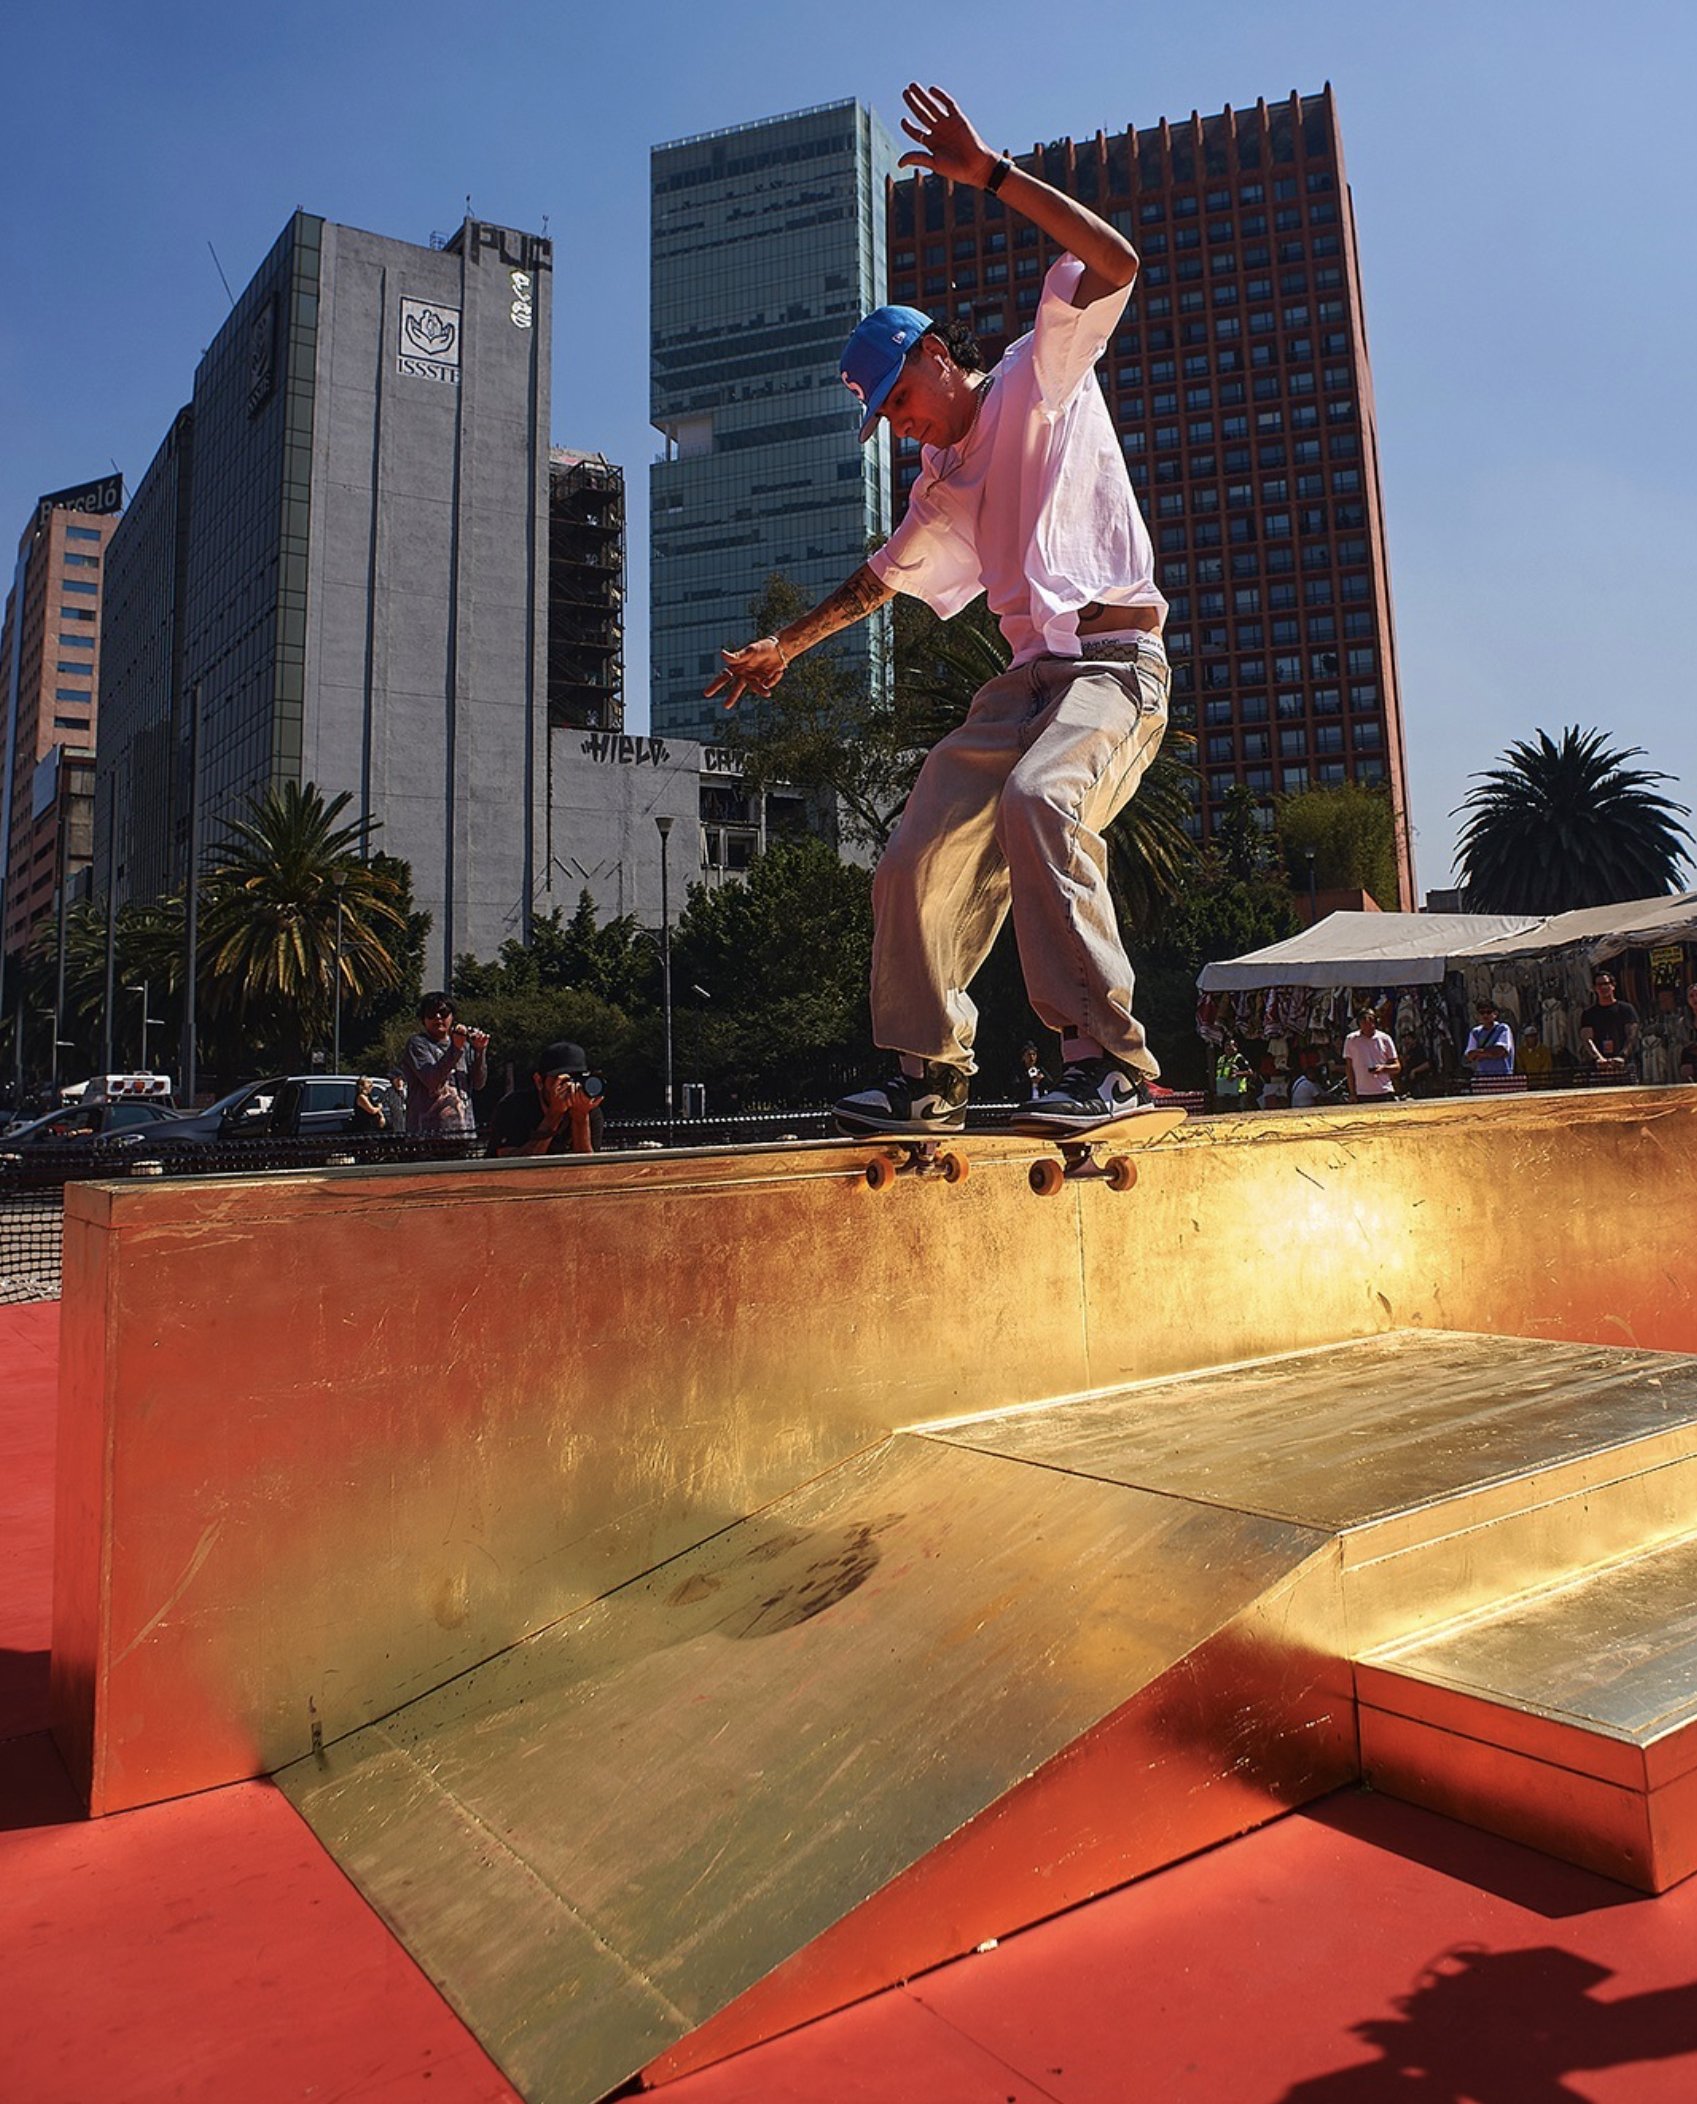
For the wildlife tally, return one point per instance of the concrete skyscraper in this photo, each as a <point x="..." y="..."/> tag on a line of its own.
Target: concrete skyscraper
<point x="336" y="571"/>
<point x="768" y="246"/>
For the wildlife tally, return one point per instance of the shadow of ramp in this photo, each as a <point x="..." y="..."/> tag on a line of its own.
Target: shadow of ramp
<point x="933" y="1696"/>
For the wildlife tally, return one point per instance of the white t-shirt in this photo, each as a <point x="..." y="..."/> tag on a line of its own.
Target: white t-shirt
<point x="1034" y="507"/>
<point x="1371" y="1050"/>
<point x="1305" y="1093"/>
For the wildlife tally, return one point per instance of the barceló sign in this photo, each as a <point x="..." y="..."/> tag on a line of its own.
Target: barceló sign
<point x="100" y="498"/>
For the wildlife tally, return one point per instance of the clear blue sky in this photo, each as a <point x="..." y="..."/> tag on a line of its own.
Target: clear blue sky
<point x="1523" y="193"/>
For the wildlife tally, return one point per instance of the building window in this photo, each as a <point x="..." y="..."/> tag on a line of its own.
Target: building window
<point x="1364" y="698"/>
<point x="82" y="533"/>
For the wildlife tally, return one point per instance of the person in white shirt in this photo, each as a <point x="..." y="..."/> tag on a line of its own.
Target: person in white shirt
<point x="1023" y="496"/>
<point x="1370" y="1055"/>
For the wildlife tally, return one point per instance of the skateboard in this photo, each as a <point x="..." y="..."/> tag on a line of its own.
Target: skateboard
<point x="1082" y="1155"/>
<point x="1085" y="1154"/>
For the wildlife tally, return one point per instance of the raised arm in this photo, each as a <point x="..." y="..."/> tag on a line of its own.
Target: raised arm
<point x="950" y="146"/>
<point x="757" y="667"/>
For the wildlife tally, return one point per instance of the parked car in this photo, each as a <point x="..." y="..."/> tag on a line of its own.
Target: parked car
<point x="80" y="1123"/>
<point x="78" y="1141"/>
<point x="284" y="1107"/>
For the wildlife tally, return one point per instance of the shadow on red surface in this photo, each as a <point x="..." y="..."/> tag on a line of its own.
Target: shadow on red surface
<point x="1541" y="1885"/>
<point x="35" y="1791"/>
<point x="23" y="1692"/>
<point x="1505" y="2027"/>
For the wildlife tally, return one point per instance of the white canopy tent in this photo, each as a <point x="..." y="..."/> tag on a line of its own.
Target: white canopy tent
<point x="1365" y="949"/>
<point x="1634" y="924"/>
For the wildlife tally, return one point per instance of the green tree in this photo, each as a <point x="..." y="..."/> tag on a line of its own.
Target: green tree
<point x="268" y="920"/>
<point x="1561" y="825"/>
<point x="1350" y="831"/>
<point x="782" y="959"/>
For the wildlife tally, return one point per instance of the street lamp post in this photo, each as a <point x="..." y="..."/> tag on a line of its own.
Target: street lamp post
<point x="664" y="824"/>
<point x="339" y="879"/>
<point x="1313" y="903"/>
<point x="145" y="989"/>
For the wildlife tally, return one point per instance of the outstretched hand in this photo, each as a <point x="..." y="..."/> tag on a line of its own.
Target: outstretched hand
<point x="949" y="144"/>
<point x="755" y="669"/>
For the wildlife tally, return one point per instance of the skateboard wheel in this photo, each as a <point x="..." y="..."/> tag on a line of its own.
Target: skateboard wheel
<point x="880" y="1172"/>
<point x="1047" y="1178"/>
<point x="1121" y="1172"/>
<point x="955" y="1167"/>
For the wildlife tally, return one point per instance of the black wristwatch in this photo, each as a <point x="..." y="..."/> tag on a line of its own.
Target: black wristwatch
<point x="999" y="174"/>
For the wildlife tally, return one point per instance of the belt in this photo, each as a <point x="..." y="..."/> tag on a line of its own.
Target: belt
<point x="1143" y="618"/>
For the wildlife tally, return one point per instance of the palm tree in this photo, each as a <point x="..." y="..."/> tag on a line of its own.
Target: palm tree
<point x="1560" y="826"/>
<point x="268" y="915"/>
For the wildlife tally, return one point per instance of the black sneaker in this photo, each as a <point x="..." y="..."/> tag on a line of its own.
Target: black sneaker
<point x="932" y="1102"/>
<point x="1092" y="1092"/>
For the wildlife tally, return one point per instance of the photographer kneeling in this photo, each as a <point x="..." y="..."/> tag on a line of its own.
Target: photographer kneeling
<point x="559" y="1112"/>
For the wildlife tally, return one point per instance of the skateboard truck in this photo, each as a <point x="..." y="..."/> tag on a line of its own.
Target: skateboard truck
<point x="899" y="1157"/>
<point x="1078" y="1161"/>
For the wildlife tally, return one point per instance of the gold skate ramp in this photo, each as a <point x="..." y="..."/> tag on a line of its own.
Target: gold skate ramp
<point x="932" y="1696"/>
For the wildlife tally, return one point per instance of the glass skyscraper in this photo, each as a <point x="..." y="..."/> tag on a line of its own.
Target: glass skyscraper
<point x="768" y="246"/>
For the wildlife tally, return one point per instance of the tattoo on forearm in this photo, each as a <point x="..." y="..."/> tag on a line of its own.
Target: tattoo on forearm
<point x="852" y="601"/>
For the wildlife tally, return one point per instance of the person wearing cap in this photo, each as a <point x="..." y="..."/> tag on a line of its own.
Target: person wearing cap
<point x="1490" y="1044"/>
<point x="559" y="1112"/>
<point x="1023" y="495"/>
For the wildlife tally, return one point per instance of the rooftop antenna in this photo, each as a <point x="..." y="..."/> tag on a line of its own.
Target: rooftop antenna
<point x="217" y="266"/>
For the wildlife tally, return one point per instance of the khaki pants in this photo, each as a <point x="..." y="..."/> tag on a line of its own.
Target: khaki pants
<point x="1010" y="810"/>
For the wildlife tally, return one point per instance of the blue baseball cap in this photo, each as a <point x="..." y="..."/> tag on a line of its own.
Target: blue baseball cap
<point x="875" y="354"/>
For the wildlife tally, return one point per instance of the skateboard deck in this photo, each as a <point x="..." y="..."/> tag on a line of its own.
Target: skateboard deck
<point x="1103" y="1152"/>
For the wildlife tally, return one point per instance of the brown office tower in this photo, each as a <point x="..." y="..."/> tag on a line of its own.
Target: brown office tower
<point x="49" y="678"/>
<point x="1240" y="386"/>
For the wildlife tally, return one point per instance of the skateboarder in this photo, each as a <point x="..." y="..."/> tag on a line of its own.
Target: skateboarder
<point x="1023" y="495"/>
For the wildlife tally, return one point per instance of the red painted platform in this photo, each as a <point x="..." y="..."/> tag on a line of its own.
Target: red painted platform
<point x="208" y="1950"/>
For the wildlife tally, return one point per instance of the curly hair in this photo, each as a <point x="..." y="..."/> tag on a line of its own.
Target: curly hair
<point x="960" y="343"/>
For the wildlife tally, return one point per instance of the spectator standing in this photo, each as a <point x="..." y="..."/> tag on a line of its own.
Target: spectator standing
<point x="442" y="1063"/>
<point x="1370" y="1058"/>
<point x="558" y="1113"/>
<point x="1608" y="1030"/>
<point x="1490" y="1044"/>
<point x="375" y="1108"/>
<point x="1030" y="1079"/>
<point x="1537" y="1061"/>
